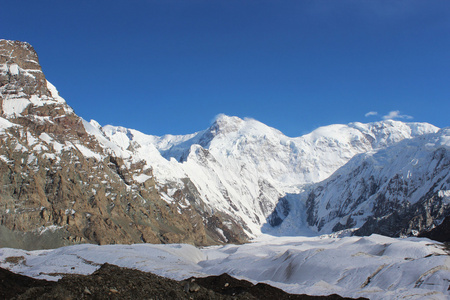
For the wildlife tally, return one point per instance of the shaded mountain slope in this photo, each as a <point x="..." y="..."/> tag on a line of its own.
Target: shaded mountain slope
<point x="396" y="191"/>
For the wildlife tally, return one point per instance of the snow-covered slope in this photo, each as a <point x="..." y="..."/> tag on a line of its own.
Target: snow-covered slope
<point x="398" y="190"/>
<point x="376" y="267"/>
<point x="243" y="167"/>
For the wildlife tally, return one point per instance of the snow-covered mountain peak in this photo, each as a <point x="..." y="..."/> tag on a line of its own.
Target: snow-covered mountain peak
<point x="444" y="138"/>
<point x="230" y="129"/>
<point x="224" y="124"/>
<point x="382" y="133"/>
<point x="112" y="130"/>
<point x="95" y="124"/>
<point x="388" y="132"/>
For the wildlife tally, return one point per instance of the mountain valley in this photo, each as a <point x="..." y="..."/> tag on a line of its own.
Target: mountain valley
<point x="342" y="210"/>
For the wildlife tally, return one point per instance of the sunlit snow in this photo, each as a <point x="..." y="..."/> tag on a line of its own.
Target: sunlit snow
<point x="247" y="162"/>
<point x="376" y="267"/>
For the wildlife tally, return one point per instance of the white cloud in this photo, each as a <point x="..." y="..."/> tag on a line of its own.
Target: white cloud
<point x="395" y="114"/>
<point x="371" y="113"/>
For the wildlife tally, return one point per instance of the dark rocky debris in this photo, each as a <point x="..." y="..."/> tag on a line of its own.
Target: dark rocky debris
<point x="113" y="282"/>
<point x="440" y="233"/>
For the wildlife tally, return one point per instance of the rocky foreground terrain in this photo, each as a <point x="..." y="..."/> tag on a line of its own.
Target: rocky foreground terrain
<point x="112" y="282"/>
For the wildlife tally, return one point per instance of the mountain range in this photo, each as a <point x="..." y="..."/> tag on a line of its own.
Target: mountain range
<point x="66" y="180"/>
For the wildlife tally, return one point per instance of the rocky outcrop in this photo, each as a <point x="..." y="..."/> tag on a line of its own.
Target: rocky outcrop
<point x="440" y="233"/>
<point x="21" y="71"/>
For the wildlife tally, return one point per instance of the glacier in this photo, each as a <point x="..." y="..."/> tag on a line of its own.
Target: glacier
<point x="376" y="267"/>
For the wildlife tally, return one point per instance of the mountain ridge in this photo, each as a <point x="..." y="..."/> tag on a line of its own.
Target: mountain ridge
<point x="66" y="180"/>
<point x="250" y="147"/>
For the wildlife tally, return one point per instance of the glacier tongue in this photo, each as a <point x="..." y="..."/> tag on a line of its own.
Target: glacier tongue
<point x="242" y="167"/>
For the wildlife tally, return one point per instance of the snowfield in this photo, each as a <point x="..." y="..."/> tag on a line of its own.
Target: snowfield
<point x="376" y="267"/>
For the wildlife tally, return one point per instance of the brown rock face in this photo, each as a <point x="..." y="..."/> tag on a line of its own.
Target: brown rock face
<point x="58" y="186"/>
<point x="23" y="72"/>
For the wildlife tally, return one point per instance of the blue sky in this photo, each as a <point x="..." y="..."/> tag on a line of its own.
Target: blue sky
<point x="172" y="66"/>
